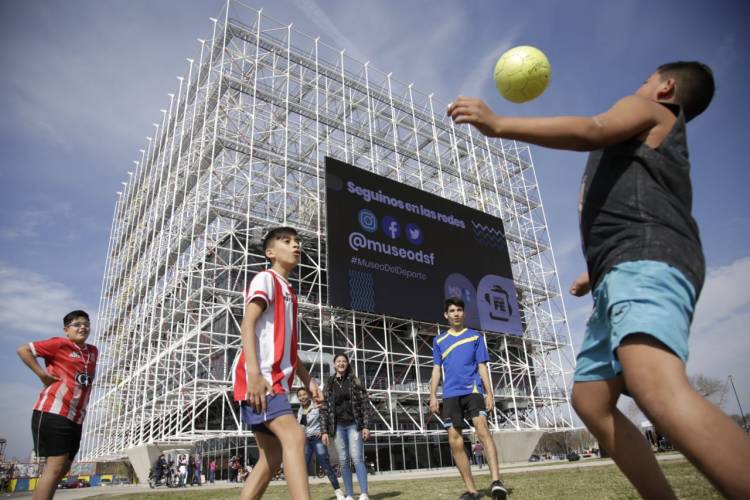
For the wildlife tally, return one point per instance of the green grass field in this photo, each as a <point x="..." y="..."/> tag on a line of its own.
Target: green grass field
<point x="590" y="483"/>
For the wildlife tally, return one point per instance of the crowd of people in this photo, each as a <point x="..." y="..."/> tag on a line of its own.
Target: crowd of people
<point x="7" y="473"/>
<point x="184" y="471"/>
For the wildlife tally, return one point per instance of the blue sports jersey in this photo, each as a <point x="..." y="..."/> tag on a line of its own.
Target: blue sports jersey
<point x="460" y="354"/>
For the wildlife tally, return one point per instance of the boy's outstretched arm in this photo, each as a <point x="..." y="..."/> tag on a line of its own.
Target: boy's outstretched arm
<point x="629" y="117"/>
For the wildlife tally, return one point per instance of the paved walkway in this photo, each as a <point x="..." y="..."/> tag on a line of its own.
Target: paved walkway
<point x="386" y="476"/>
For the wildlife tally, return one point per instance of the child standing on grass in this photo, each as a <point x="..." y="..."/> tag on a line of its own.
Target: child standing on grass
<point x="57" y="419"/>
<point x="266" y="367"/>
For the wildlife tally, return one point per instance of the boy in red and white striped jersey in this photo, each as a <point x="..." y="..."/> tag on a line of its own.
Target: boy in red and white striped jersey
<point x="265" y="369"/>
<point x="57" y="420"/>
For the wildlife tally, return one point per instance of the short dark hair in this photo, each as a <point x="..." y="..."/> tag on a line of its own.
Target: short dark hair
<point x="454" y="301"/>
<point x="276" y="234"/>
<point x="301" y="389"/>
<point x="694" y="85"/>
<point x="68" y="318"/>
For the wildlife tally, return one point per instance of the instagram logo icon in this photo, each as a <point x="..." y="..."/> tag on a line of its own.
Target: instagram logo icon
<point x="367" y="220"/>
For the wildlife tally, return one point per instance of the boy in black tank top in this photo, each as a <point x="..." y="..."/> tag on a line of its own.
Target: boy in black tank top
<point x="646" y="269"/>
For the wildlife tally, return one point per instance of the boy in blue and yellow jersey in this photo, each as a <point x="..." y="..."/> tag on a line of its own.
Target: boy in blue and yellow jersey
<point x="467" y="393"/>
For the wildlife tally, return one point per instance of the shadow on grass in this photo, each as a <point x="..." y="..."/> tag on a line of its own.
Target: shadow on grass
<point x="375" y="496"/>
<point x="387" y="494"/>
<point x="487" y="493"/>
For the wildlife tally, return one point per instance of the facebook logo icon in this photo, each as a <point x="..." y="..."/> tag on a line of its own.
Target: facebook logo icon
<point x="391" y="227"/>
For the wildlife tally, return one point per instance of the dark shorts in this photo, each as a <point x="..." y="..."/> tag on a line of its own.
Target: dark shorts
<point x="455" y="410"/>
<point x="276" y="406"/>
<point x="55" y="435"/>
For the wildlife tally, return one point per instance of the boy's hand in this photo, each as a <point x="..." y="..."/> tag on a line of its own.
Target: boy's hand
<point x="48" y="379"/>
<point x="434" y="404"/>
<point x="475" y="112"/>
<point x="257" y="389"/>
<point x="489" y="401"/>
<point x="581" y="286"/>
<point x="324" y="439"/>
<point x="365" y="434"/>
<point x="315" y="392"/>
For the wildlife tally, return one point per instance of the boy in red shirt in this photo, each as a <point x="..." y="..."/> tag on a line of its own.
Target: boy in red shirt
<point x="57" y="420"/>
<point x="265" y="369"/>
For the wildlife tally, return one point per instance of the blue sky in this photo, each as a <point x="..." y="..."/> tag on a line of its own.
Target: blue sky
<point x="83" y="81"/>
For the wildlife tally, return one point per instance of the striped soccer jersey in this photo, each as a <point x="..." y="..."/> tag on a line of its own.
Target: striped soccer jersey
<point x="275" y="335"/>
<point x="75" y="367"/>
<point x="459" y="353"/>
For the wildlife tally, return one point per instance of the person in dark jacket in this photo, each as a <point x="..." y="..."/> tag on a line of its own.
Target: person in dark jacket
<point x="159" y="467"/>
<point x="190" y="469"/>
<point x="348" y="422"/>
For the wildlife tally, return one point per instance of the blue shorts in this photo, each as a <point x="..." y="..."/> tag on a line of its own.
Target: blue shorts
<point x="642" y="296"/>
<point x="276" y="406"/>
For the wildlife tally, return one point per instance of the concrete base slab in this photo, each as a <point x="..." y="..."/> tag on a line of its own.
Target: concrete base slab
<point x="143" y="457"/>
<point x="515" y="446"/>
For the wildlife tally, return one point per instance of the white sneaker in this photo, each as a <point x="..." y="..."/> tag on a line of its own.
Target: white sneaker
<point x="363" y="496"/>
<point x="339" y="494"/>
<point x="348" y="498"/>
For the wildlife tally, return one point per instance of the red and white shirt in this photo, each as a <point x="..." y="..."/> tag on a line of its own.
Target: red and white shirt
<point x="275" y="335"/>
<point x="75" y="366"/>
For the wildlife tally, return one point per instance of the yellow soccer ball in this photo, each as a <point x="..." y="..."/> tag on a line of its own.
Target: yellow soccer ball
<point x="522" y="73"/>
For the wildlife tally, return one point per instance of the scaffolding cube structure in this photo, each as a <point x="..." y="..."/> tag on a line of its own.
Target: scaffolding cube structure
<point x="239" y="149"/>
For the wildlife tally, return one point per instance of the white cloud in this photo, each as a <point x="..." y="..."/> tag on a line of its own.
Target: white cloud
<point x="15" y="414"/>
<point x="68" y="92"/>
<point x="429" y="75"/>
<point x="25" y="223"/>
<point x="324" y="23"/>
<point x="727" y="55"/>
<point x="483" y="71"/>
<point x="32" y="305"/>
<point x="719" y="344"/>
<point x="724" y="295"/>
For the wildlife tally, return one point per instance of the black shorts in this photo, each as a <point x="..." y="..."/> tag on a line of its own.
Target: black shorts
<point x="55" y="435"/>
<point x="455" y="410"/>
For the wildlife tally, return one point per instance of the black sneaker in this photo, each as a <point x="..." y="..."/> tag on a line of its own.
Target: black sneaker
<point x="470" y="496"/>
<point x="498" y="490"/>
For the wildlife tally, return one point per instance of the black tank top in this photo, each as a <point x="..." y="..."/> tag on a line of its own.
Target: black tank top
<point x="635" y="204"/>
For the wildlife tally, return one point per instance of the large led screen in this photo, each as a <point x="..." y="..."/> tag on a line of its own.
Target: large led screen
<point x="400" y="251"/>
